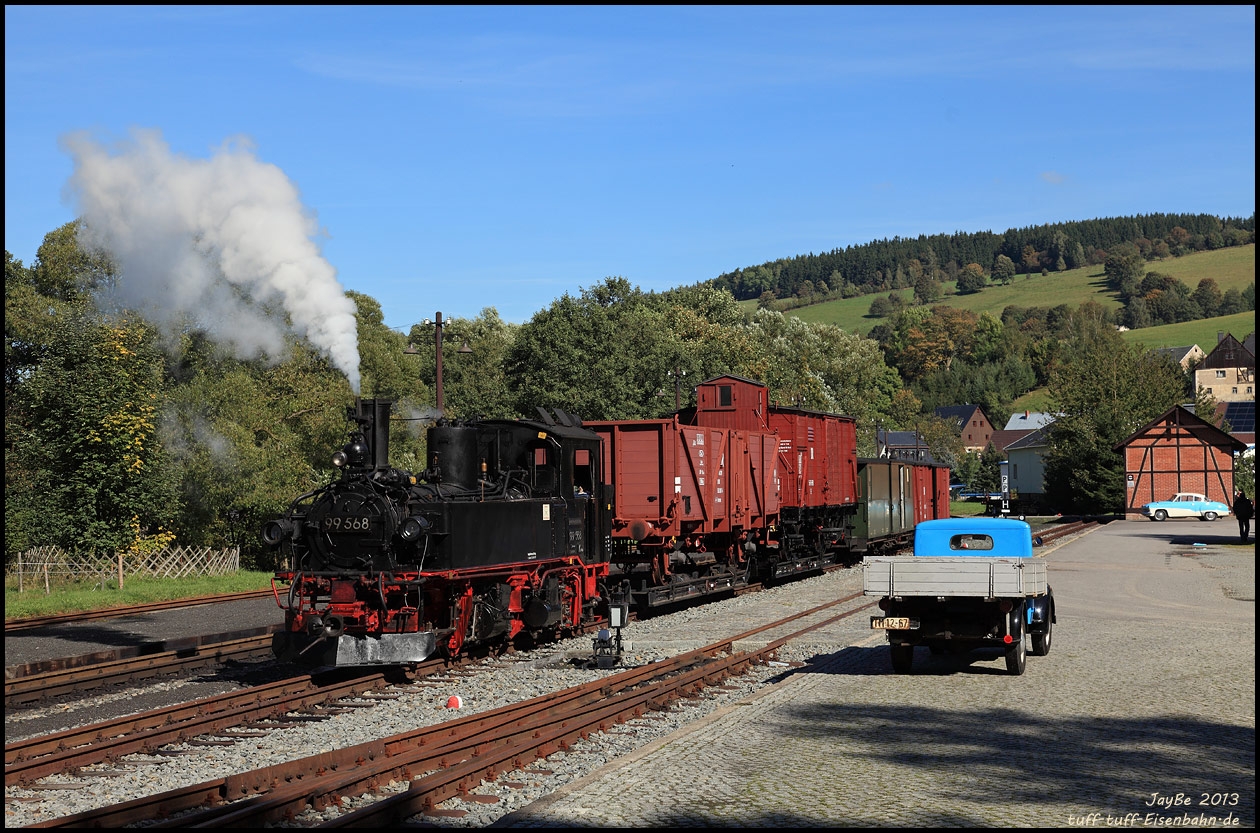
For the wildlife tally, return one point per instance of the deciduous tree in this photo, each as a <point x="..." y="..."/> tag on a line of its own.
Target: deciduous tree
<point x="1103" y="389"/>
<point x="1003" y="269"/>
<point x="927" y="290"/>
<point x="602" y="355"/>
<point x="972" y="278"/>
<point x="1208" y="296"/>
<point x="92" y="477"/>
<point x="1124" y="269"/>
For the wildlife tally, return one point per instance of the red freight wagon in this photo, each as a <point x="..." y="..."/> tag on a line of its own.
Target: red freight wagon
<point x="818" y="457"/>
<point x="818" y="470"/>
<point x="817" y="451"/>
<point x="674" y="480"/>
<point x="690" y="505"/>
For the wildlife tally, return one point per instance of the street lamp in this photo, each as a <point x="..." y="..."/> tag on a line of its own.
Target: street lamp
<point x="437" y="345"/>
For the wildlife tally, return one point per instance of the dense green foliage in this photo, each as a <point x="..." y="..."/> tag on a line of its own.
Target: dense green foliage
<point x="122" y="437"/>
<point x="1104" y="390"/>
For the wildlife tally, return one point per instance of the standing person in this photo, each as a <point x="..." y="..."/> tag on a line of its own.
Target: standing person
<point x="1243" y="510"/>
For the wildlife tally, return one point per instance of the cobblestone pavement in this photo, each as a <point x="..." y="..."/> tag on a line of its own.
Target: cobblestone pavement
<point x="1143" y="714"/>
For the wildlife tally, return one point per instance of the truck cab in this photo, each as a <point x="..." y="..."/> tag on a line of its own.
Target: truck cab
<point x="988" y="537"/>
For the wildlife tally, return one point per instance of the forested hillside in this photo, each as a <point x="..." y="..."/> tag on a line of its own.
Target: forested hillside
<point x="886" y="265"/>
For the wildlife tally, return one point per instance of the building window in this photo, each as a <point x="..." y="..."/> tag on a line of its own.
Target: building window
<point x="1220" y="374"/>
<point x="1234" y="389"/>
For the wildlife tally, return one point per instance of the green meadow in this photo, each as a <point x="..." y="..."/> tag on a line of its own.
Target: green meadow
<point x="1232" y="268"/>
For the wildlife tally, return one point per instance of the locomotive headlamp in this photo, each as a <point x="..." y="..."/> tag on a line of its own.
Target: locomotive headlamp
<point x="273" y="532"/>
<point x="413" y="528"/>
<point x="339" y="459"/>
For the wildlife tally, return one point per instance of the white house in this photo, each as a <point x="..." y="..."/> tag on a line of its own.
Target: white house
<point x="1025" y="465"/>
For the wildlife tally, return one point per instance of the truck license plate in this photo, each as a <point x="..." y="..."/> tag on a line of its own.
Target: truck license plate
<point x="892" y="623"/>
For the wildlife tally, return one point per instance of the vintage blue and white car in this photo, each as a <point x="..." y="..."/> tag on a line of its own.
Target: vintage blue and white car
<point x="1185" y="505"/>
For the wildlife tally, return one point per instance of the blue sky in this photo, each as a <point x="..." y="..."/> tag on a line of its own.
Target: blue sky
<point x="456" y="158"/>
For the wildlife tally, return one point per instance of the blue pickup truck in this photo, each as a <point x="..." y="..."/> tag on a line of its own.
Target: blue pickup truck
<point x="972" y="583"/>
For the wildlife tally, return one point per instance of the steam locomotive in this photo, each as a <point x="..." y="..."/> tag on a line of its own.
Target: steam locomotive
<point x="523" y="531"/>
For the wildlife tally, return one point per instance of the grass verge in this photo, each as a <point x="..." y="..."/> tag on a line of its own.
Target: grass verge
<point x="76" y="598"/>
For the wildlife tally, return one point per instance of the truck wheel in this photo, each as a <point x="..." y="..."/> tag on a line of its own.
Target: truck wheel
<point x="1017" y="656"/>
<point x="1017" y="651"/>
<point x="902" y="658"/>
<point x="1161" y="515"/>
<point x="1041" y="641"/>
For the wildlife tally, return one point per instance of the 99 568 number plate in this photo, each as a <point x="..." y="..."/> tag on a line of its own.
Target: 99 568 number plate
<point x="893" y="623"/>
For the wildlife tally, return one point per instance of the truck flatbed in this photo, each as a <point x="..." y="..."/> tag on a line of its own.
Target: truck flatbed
<point x="978" y="576"/>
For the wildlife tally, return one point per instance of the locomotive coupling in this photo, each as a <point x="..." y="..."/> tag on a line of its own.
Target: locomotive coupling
<point x="330" y="627"/>
<point x="334" y="626"/>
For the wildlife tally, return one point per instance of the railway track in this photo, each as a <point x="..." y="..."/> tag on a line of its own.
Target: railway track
<point x="450" y="759"/>
<point x="258" y="709"/>
<point x="240" y="712"/>
<point x="29" y="684"/>
<point x="1050" y="534"/>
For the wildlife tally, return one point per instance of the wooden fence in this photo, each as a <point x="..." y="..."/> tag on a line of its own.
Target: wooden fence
<point x="42" y="566"/>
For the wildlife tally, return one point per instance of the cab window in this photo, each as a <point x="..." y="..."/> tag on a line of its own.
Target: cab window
<point x="971" y="542"/>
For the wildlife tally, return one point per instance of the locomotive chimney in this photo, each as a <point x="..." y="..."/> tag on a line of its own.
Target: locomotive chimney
<point x="379" y="438"/>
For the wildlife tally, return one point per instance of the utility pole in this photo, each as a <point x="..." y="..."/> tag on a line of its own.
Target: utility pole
<point x="411" y="350"/>
<point x="437" y="345"/>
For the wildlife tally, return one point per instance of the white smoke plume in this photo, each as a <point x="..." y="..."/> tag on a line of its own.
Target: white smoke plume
<point x="224" y="242"/>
